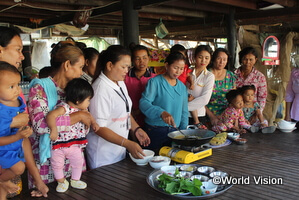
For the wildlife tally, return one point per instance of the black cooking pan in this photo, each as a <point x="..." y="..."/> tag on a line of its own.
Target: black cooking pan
<point x="191" y="137"/>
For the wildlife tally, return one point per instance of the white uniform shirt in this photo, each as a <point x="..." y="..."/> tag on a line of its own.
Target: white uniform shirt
<point x="203" y="88"/>
<point x="109" y="110"/>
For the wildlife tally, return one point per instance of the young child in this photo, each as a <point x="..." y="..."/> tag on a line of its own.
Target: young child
<point x="232" y="119"/>
<point x="252" y="111"/>
<point x="69" y="144"/>
<point x="11" y="139"/>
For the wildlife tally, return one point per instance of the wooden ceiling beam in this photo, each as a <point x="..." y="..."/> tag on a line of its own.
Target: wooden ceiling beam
<point x="42" y="6"/>
<point x="158" y="16"/>
<point x="173" y="11"/>
<point x="75" y="2"/>
<point x="237" y="3"/>
<point x="202" y="6"/>
<point x="286" y="3"/>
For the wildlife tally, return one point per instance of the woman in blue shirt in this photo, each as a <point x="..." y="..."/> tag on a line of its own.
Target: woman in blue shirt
<point x="165" y="102"/>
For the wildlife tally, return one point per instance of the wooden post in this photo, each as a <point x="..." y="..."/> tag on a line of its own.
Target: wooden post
<point x="231" y="37"/>
<point x="130" y="23"/>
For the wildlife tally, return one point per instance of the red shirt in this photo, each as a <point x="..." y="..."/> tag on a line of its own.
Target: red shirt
<point x="184" y="75"/>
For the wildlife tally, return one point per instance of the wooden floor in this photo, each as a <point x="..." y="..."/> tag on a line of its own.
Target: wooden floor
<point x="275" y="155"/>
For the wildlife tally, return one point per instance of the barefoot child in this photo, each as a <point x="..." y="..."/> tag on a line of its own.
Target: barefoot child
<point x="11" y="139"/>
<point x="232" y="118"/>
<point x="69" y="144"/>
<point x="252" y="111"/>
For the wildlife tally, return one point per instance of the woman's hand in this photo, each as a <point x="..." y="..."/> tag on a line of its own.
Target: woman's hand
<point x="134" y="148"/>
<point x="81" y="116"/>
<point x="168" y="119"/>
<point x="142" y="137"/>
<point x="20" y="120"/>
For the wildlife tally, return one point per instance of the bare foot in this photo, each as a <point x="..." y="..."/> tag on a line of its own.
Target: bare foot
<point x="9" y="186"/>
<point x="42" y="190"/>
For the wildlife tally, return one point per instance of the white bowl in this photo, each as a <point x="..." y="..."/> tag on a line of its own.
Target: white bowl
<point x="169" y="170"/>
<point x="282" y="124"/>
<point x="148" y="155"/>
<point x="287" y="130"/>
<point x="233" y="136"/>
<point x="208" y="188"/>
<point x="159" y="161"/>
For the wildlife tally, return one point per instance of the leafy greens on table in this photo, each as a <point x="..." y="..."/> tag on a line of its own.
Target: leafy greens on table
<point x="178" y="185"/>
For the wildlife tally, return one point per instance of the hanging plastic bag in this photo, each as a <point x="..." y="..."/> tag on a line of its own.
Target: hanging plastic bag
<point x="161" y="30"/>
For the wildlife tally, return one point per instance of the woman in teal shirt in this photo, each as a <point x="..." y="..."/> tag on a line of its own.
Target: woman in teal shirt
<point x="224" y="82"/>
<point x="165" y="102"/>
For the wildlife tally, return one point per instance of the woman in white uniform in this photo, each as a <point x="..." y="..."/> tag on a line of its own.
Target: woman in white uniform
<point x="111" y="107"/>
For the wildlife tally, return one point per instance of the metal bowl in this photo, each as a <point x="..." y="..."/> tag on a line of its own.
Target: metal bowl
<point x="218" y="173"/>
<point x="202" y="178"/>
<point x="205" y="169"/>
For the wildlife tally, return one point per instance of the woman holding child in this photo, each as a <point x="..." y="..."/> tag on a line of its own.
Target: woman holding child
<point x="67" y="62"/>
<point x="11" y="52"/>
<point x="247" y="74"/>
<point x="203" y="80"/>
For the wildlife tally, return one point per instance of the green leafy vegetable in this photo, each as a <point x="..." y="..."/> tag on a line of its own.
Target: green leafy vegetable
<point x="177" y="185"/>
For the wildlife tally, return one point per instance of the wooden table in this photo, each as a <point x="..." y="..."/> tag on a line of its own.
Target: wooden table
<point x="275" y="155"/>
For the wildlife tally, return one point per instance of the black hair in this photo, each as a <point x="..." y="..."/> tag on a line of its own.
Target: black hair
<point x="81" y="45"/>
<point x="6" y="35"/>
<point x="177" y="47"/>
<point x="172" y="57"/>
<point x="247" y="87"/>
<point x="4" y="66"/>
<point x="77" y="90"/>
<point x="138" y="47"/>
<point x="90" y="53"/>
<point x="232" y="94"/>
<point x="203" y="48"/>
<point x="45" y="72"/>
<point x="245" y="51"/>
<point x="215" y="55"/>
<point x="112" y="54"/>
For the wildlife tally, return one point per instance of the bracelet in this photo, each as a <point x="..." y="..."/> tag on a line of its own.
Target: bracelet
<point x="122" y="142"/>
<point x="136" y="129"/>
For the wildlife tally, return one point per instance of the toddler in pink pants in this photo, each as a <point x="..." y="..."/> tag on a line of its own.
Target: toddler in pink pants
<point x="69" y="144"/>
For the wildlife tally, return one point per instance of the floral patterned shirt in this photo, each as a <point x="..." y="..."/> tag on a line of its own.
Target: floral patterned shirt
<point x="228" y="118"/>
<point x="218" y="102"/>
<point x="257" y="79"/>
<point x="38" y="110"/>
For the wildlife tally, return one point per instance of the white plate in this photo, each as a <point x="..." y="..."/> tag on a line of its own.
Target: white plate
<point x="287" y="130"/>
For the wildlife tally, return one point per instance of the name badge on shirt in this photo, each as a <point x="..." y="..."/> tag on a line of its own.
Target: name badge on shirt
<point x="129" y="122"/>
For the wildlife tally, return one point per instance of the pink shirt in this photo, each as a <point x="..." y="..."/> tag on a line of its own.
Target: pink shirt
<point x="257" y="79"/>
<point x="135" y="88"/>
<point x="292" y="93"/>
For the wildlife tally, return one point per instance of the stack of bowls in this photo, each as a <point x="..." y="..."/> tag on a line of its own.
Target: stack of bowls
<point x="286" y="126"/>
<point x="148" y="155"/>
